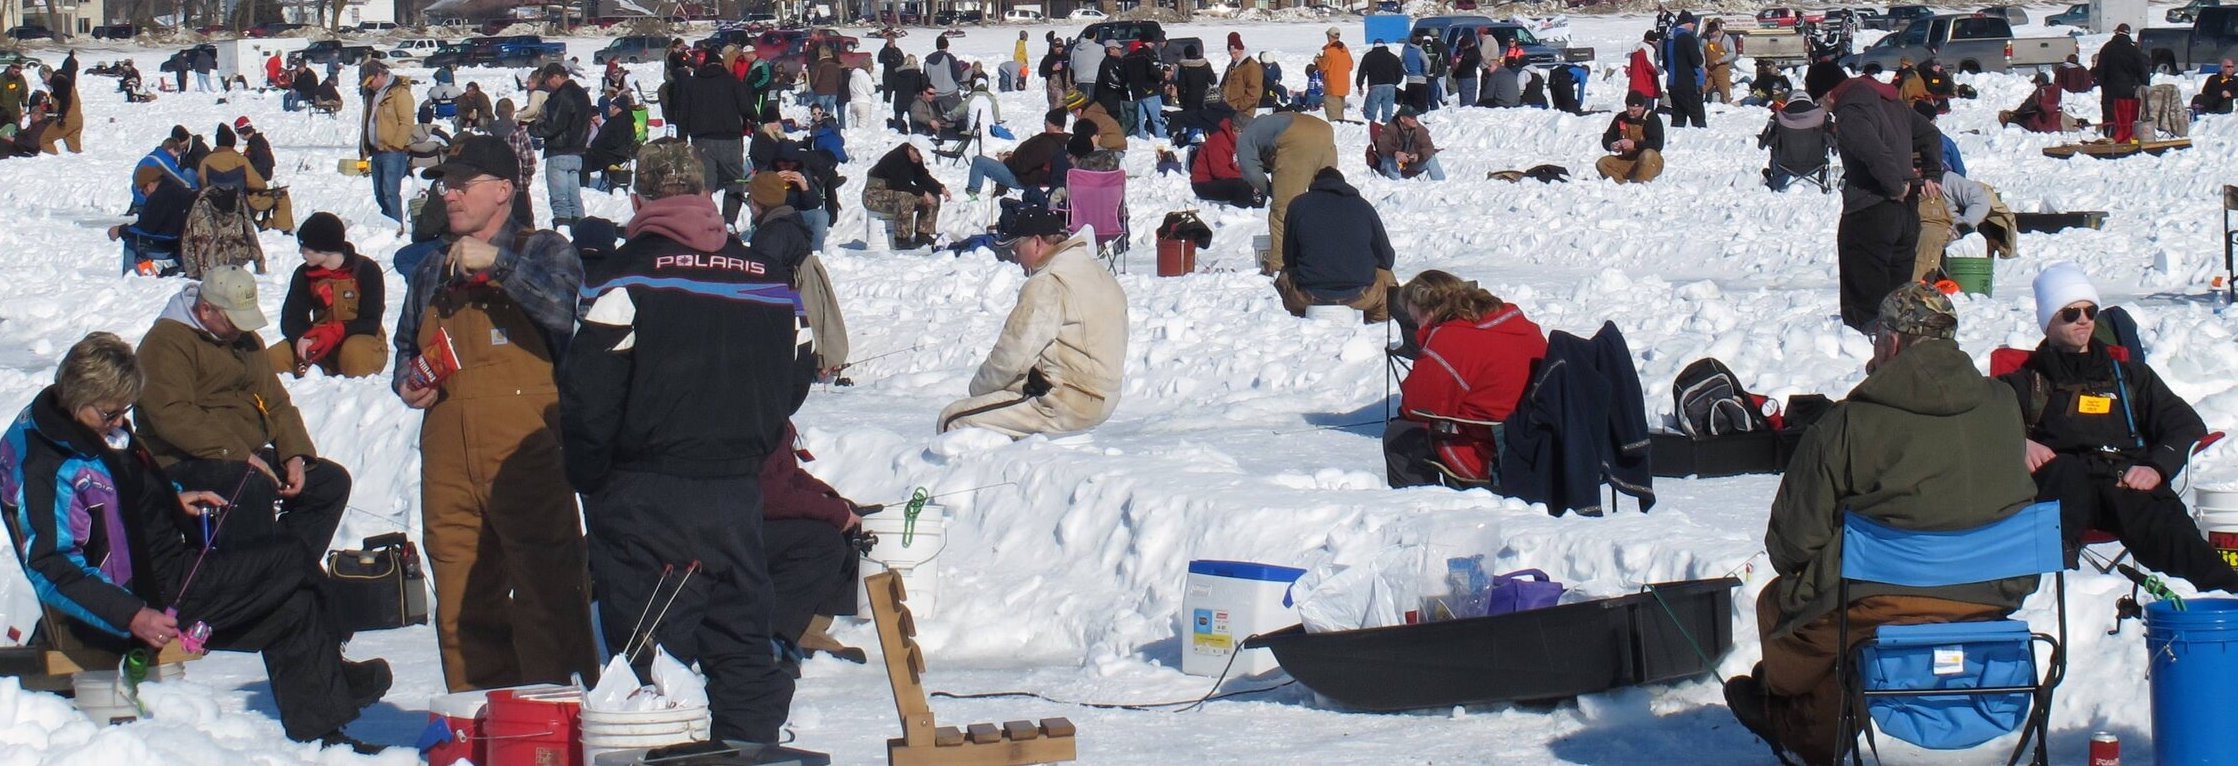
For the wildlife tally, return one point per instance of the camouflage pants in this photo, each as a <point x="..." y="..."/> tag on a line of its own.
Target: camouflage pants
<point x="910" y="213"/>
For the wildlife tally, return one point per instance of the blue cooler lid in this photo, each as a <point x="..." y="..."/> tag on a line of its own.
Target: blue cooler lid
<point x="1245" y="570"/>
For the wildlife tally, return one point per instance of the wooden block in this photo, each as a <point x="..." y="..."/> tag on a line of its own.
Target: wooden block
<point x="1057" y="727"/>
<point x="1020" y="730"/>
<point x="948" y="736"/>
<point x="907" y="622"/>
<point x="983" y="733"/>
<point x="893" y="585"/>
<point x="916" y="661"/>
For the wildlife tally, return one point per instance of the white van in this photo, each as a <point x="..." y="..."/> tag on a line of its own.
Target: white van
<point x="1021" y="16"/>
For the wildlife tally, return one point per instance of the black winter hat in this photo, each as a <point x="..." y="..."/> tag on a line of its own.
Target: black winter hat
<point x="478" y="155"/>
<point x="1821" y="78"/>
<point x="225" y="135"/>
<point x="179" y="133"/>
<point x="324" y="233"/>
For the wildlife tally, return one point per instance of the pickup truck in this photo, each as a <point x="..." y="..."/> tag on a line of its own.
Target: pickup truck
<point x="1785" y="47"/>
<point x="322" y="51"/>
<point x="1966" y="42"/>
<point x="2189" y="12"/>
<point x="2213" y="36"/>
<point x="1501" y="33"/>
<point x="526" y="51"/>
<point x="1899" y="15"/>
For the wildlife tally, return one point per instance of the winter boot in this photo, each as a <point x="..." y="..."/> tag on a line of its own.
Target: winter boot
<point x="817" y="638"/>
<point x="369" y="680"/>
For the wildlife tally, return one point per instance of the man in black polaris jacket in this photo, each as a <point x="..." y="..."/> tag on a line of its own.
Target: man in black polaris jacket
<point x="688" y="367"/>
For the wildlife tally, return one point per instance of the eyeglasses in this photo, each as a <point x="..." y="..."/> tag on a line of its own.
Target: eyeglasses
<point x="443" y="188"/>
<point x="112" y="416"/>
<point x="2072" y="314"/>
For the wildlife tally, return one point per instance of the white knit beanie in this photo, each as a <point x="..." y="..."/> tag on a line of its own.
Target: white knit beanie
<point x="2061" y="284"/>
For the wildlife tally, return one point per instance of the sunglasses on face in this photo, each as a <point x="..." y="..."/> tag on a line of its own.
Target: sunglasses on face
<point x="2072" y="314"/>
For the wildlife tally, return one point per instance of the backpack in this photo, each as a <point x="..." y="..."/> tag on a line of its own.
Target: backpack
<point x="218" y="233"/>
<point x="1709" y="401"/>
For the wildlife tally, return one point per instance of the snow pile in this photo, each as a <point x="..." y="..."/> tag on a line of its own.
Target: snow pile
<point x="1241" y="433"/>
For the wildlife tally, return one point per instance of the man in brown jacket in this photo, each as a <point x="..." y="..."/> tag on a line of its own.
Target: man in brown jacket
<point x="1279" y="155"/>
<point x="1243" y="84"/>
<point x="1108" y="133"/>
<point x="217" y="419"/>
<point x="387" y="130"/>
<point x="1403" y="148"/>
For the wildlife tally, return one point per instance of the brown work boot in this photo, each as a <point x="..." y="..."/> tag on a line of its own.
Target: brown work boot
<point x="817" y="638"/>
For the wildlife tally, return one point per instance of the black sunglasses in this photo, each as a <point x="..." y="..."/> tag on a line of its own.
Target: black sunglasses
<point x="2074" y="313"/>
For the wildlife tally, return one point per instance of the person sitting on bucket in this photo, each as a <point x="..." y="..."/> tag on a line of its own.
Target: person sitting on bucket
<point x="1635" y="143"/>
<point x="1925" y="442"/>
<point x="1335" y="252"/>
<point x="1058" y="364"/>
<point x="2106" y="437"/>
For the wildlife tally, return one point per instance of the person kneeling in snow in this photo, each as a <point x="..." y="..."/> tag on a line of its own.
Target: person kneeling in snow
<point x="105" y="540"/>
<point x="1925" y="442"/>
<point x="1057" y="366"/>
<point x="1480" y="352"/>
<point x="1404" y="150"/>
<point x="332" y="316"/>
<point x="1635" y="143"/>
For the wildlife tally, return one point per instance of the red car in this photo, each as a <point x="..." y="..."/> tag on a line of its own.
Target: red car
<point x="1785" y="17"/>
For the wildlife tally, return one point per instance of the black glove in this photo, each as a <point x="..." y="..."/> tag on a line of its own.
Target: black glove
<point x="1964" y="229"/>
<point x="1036" y="384"/>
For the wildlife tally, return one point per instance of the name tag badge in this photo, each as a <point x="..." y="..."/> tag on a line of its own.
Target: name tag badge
<point x="497" y="338"/>
<point x="1949" y="660"/>
<point x="2094" y="405"/>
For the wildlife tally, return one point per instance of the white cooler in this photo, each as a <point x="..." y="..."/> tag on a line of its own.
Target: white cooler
<point x="1228" y="601"/>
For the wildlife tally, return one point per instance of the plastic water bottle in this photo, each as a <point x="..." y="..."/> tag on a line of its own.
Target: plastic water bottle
<point x="1467" y="585"/>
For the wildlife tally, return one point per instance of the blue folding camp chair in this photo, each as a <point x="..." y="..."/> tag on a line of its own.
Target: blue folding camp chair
<point x="1952" y="686"/>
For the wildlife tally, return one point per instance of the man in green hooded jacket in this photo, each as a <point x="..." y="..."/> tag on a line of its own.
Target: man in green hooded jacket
<point x="1925" y="443"/>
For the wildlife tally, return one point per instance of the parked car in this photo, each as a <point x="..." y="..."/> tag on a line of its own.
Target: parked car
<point x="1785" y="17"/>
<point x="322" y="51"/>
<point x="377" y="26"/>
<point x="2077" y="15"/>
<point x="950" y="18"/>
<point x="29" y="63"/>
<point x="1086" y="14"/>
<point x="270" y="29"/>
<point x="1022" y="17"/>
<point x="1899" y="15"/>
<point x="1128" y="32"/>
<point x="413" y="48"/>
<point x="1218" y="10"/>
<point x="2213" y="36"/>
<point x="1968" y="42"/>
<point x="1449" y="29"/>
<point x="112" y="32"/>
<point x="2189" y="12"/>
<point x="1866" y="18"/>
<point x="449" y="54"/>
<point x="30" y="32"/>
<point x="2012" y="14"/>
<point x="632" y="49"/>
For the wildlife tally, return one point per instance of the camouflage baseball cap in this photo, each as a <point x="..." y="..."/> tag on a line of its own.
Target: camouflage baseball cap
<point x="670" y="167"/>
<point x="1919" y="310"/>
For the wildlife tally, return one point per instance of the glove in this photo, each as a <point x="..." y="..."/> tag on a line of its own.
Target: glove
<point x="1036" y="384"/>
<point x="1964" y="229"/>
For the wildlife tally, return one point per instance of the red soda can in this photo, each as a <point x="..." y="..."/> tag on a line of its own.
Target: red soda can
<point x="2105" y="749"/>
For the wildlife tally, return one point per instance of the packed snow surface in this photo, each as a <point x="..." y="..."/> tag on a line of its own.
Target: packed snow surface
<point x="1242" y="433"/>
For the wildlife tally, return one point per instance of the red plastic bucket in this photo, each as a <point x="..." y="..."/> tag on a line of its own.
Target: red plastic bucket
<point x="534" y="728"/>
<point x="1176" y="257"/>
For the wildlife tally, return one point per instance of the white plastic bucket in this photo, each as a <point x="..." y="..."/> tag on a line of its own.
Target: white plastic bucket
<point x="1260" y="245"/>
<point x="606" y="731"/>
<point x="2217" y="508"/>
<point x="909" y="552"/>
<point x="100" y="694"/>
<point x="1333" y="314"/>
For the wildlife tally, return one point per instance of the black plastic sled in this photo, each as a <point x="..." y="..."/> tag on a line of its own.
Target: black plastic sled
<point x="1666" y="632"/>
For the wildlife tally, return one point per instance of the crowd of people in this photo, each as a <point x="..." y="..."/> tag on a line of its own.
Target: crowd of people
<point x="560" y="349"/>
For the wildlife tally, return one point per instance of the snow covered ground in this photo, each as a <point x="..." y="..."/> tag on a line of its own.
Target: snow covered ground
<point x="1242" y="433"/>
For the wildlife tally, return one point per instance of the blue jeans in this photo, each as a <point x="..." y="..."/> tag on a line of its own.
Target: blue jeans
<point x="289" y="102"/>
<point x="202" y="81"/>
<point x="1466" y="88"/>
<point x="563" y="179"/>
<point x="1437" y="92"/>
<point x="831" y="107"/>
<point x="1150" y="116"/>
<point x="389" y="169"/>
<point x="1383" y="100"/>
<point x="819" y="225"/>
<point x="157" y="251"/>
<point x="1430" y="168"/>
<point x="985" y="167"/>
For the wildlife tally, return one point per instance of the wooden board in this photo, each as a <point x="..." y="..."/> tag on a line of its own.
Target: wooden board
<point x="2111" y="150"/>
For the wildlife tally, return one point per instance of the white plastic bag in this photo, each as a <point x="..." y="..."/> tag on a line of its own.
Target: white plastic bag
<point x="616" y="684"/>
<point x="1386" y="592"/>
<point x="19" y="604"/>
<point x="677" y="683"/>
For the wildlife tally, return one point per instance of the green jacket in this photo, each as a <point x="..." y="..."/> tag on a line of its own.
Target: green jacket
<point x="1927" y="443"/>
<point x="13" y="92"/>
